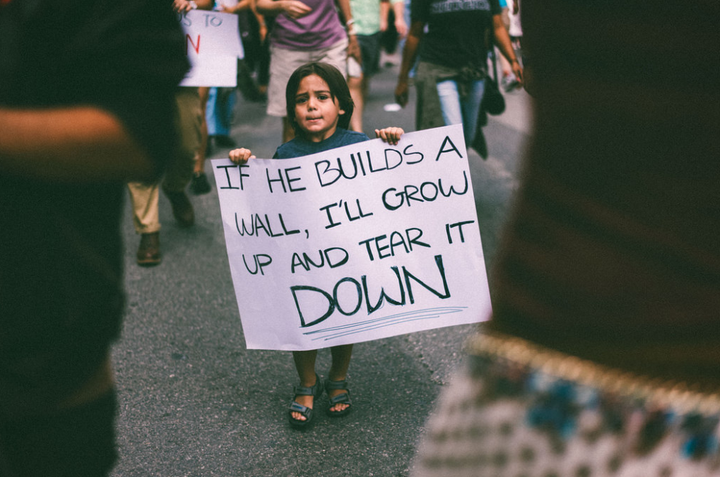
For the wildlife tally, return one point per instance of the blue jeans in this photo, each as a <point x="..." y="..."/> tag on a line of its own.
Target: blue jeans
<point x="461" y="111"/>
<point x="219" y="111"/>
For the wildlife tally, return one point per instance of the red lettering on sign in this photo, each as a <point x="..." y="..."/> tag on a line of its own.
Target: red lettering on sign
<point x="189" y="41"/>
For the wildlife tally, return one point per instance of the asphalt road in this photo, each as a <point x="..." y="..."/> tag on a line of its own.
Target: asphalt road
<point x="195" y="402"/>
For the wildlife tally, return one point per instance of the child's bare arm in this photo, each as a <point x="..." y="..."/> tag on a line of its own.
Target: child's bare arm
<point x="390" y="135"/>
<point x="240" y="156"/>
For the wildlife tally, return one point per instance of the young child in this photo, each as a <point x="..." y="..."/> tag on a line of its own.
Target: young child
<point x="319" y="108"/>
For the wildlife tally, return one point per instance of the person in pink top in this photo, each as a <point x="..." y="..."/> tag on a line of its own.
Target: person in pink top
<point x="307" y="31"/>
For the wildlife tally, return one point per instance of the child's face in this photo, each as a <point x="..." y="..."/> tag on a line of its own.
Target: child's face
<point x="316" y="111"/>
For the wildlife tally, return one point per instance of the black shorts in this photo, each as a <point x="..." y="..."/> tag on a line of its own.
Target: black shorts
<point x="370" y="50"/>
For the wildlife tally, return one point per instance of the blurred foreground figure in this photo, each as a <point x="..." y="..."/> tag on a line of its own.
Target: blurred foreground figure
<point x="602" y="357"/>
<point x="74" y="127"/>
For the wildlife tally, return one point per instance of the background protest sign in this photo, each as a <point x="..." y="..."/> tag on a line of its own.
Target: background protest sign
<point x="354" y="244"/>
<point x="212" y="42"/>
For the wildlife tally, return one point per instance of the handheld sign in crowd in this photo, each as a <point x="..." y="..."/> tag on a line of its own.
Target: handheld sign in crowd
<point x="213" y="45"/>
<point x="358" y="243"/>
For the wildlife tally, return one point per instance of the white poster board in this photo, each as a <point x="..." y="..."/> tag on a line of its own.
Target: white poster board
<point x="354" y="244"/>
<point x="212" y="42"/>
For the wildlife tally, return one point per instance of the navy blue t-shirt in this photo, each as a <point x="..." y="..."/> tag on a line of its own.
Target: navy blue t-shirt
<point x="456" y="30"/>
<point x="302" y="147"/>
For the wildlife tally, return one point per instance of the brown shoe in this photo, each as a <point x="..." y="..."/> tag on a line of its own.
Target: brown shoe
<point x="148" y="253"/>
<point x="182" y="208"/>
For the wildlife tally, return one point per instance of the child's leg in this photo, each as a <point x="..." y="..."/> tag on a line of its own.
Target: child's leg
<point x="338" y="371"/>
<point x="340" y="362"/>
<point x="305" y="366"/>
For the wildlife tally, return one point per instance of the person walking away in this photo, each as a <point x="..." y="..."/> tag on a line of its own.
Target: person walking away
<point x="145" y="196"/>
<point x="453" y="61"/>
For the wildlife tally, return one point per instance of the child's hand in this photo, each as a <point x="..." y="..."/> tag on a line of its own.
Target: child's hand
<point x="390" y="135"/>
<point x="240" y="156"/>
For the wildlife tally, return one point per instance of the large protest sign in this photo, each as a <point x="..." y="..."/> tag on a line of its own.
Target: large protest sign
<point x="212" y="42"/>
<point x="357" y="243"/>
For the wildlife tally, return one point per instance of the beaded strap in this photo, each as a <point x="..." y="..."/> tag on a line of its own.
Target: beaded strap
<point x="666" y="393"/>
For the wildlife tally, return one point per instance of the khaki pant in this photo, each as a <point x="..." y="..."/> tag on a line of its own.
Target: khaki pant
<point x="145" y="197"/>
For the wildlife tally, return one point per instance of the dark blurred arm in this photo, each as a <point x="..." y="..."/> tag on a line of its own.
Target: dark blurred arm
<point x="79" y="144"/>
<point x="410" y="52"/>
<point x="502" y="40"/>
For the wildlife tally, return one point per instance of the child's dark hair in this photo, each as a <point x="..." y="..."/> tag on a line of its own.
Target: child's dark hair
<point x="338" y="90"/>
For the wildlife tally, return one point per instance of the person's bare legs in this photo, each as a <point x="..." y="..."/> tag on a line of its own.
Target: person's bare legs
<point x="305" y="366"/>
<point x="365" y="86"/>
<point x="338" y="371"/>
<point x="356" y="92"/>
<point x="288" y="132"/>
